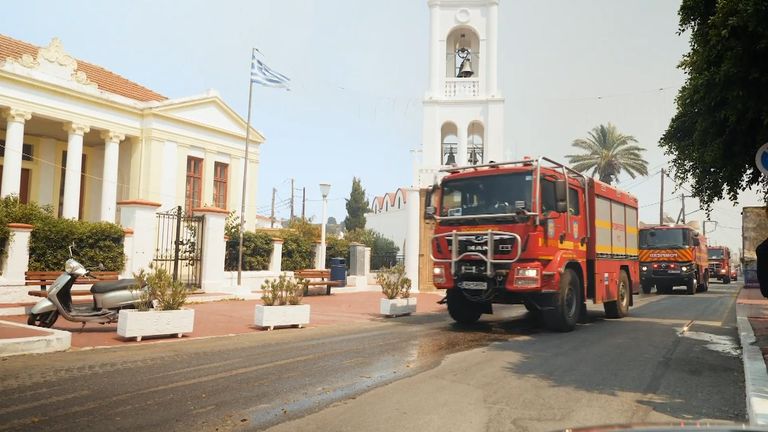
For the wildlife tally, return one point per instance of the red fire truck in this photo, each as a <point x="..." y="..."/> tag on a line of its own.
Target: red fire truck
<point x="533" y="232"/>
<point x="720" y="263"/>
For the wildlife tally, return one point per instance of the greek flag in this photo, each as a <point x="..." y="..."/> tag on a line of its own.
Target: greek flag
<point x="261" y="74"/>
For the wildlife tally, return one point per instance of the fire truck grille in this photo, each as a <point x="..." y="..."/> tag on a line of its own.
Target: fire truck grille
<point x="479" y="244"/>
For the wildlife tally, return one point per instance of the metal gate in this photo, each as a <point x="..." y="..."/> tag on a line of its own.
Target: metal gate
<point x="180" y="245"/>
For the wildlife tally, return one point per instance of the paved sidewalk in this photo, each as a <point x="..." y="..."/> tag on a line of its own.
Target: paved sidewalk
<point x="752" y="319"/>
<point x="230" y="317"/>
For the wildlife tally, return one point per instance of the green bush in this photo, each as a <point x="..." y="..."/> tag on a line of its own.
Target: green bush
<point x="13" y="211"/>
<point x="95" y="243"/>
<point x="257" y="250"/>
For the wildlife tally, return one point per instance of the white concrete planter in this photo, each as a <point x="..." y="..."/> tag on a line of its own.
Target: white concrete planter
<point x="399" y="306"/>
<point x="275" y="316"/>
<point x="133" y="323"/>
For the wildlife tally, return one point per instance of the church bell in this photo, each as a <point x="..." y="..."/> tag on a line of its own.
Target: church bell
<point x="465" y="68"/>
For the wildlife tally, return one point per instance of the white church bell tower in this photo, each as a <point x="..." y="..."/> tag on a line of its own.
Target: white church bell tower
<point x="463" y="108"/>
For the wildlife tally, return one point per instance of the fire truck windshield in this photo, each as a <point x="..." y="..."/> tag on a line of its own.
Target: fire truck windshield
<point x="500" y="194"/>
<point x="715" y="253"/>
<point x="663" y="238"/>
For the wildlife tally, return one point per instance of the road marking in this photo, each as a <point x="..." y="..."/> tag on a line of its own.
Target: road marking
<point x="671" y="321"/>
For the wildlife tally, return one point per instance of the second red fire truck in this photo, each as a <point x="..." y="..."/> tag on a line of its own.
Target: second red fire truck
<point x="533" y="232"/>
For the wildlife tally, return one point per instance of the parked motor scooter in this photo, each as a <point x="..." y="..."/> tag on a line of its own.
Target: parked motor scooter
<point x="108" y="298"/>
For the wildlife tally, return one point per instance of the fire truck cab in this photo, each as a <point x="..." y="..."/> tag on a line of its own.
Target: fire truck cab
<point x="533" y="232"/>
<point x="720" y="264"/>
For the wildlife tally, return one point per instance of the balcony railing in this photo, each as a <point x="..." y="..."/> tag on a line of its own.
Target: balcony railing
<point x="462" y="88"/>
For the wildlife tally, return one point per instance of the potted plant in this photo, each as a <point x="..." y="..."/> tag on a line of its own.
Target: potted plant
<point x="397" y="290"/>
<point x="282" y="303"/>
<point x="160" y="311"/>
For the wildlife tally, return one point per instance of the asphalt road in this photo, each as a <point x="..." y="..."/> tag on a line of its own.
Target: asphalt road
<point x="412" y="373"/>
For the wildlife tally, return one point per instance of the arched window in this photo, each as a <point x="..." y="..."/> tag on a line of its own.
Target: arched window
<point x="449" y="139"/>
<point x="475" y="141"/>
<point x="462" y="56"/>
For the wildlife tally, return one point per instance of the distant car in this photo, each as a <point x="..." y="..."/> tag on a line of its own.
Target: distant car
<point x="734" y="275"/>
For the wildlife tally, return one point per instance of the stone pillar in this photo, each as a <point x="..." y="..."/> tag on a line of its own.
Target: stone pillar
<point x="109" y="184"/>
<point x="412" y="238"/>
<point x="71" y="204"/>
<point x="214" y="249"/>
<point x="319" y="255"/>
<point x="276" y="259"/>
<point x="139" y="215"/>
<point x="128" y="251"/>
<point x="14" y="146"/>
<point x="357" y="259"/>
<point x="17" y="261"/>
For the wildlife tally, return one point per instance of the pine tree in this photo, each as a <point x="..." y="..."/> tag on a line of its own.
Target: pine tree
<point x="357" y="205"/>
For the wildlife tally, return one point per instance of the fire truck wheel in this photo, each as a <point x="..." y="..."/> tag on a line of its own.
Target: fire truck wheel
<point x="704" y="284"/>
<point x="566" y="306"/>
<point x="646" y="287"/>
<point x="461" y="309"/>
<point x="727" y="280"/>
<point x="620" y="307"/>
<point x="691" y="285"/>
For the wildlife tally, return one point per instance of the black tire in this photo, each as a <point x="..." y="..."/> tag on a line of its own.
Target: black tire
<point x="691" y="285"/>
<point x="727" y="280"/>
<point x="620" y="307"/>
<point x="461" y="309"/>
<point x="704" y="284"/>
<point x="45" y="319"/>
<point x="566" y="308"/>
<point x="646" y="287"/>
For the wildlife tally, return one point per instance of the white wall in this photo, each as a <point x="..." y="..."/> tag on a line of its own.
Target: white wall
<point x="392" y="225"/>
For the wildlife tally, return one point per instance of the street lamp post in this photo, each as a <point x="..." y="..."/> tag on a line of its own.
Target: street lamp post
<point x="324" y="189"/>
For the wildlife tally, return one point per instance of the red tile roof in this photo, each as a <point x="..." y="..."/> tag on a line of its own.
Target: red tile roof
<point x="104" y="79"/>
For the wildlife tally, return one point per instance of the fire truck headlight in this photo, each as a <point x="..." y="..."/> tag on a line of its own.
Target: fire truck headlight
<point x="438" y="275"/>
<point x="644" y="268"/>
<point x="527" y="272"/>
<point x="684" y="268"/>
<point x="722" y="271"/>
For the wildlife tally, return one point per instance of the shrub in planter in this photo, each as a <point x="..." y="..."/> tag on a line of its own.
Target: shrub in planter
<point x="396" y="287"/>
<point x="282" y="303"/>
<point x="166" y="317"/>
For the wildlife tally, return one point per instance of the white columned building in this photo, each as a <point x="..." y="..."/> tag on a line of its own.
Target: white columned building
<point x="463" y="107"/>
<point x="73" y="170"/>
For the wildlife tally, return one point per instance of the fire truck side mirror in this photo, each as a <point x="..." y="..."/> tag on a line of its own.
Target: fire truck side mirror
<point x="561" y="196"/>
<point x="429" y="209"/>
<point x="696" y="242"/>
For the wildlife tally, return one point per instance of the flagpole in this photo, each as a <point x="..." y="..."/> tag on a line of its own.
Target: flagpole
<point x="245" y="177"/>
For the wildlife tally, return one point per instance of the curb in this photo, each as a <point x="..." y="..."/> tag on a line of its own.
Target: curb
<point x="56" y="340"/>
<point x="755" y="374"/>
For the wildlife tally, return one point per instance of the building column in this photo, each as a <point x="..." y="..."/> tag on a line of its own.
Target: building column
<point x="14" y="146"/>
<point x="461" y="157"/>
<point x="109" y="181"/>
<point x="492" y="50"/>
<point x="72" y="177"/>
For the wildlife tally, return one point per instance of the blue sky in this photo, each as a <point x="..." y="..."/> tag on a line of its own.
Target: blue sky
<point x="359" y="72"/>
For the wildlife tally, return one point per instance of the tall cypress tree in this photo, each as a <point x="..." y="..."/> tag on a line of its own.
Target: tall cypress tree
<point x="357" y="205"/>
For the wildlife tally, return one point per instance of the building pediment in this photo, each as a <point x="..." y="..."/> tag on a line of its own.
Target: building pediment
<point x="209" y="111"/>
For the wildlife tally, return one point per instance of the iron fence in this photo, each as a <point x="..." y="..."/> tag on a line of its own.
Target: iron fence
<point x="180" y="246"/>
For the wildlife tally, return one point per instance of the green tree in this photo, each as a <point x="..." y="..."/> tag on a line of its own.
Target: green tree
<point x="357" y="205"/>
<point x="723" y="106"/>
<point x="608" y="152"/>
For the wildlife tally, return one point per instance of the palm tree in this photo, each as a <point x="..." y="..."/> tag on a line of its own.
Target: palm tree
<point x="608" y="152"/>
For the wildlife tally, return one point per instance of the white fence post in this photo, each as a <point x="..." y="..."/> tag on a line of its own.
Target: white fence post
<point x="214" y="248"/>
<point x="276" y="259"/>
<point x="140" y="216"/>
<point x="128" y="251"/>
<point x="17" y="261"/>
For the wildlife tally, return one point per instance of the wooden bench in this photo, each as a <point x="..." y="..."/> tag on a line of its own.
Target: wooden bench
<point x="45" y="278"/>
<point x="317" y="278"/>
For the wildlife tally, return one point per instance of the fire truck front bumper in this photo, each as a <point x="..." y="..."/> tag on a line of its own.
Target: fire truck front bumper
<point x="674" y="273"/>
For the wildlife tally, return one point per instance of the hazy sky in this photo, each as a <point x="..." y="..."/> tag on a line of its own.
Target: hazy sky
<point x="359" y="71"/>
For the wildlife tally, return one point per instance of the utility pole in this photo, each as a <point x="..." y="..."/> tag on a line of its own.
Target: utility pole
<point x="682" y="197"/>
<point x="661" y="200"/>
<point x="303" y="202"/>
<point x="292" y="191"/>
<point x="272" y="215"/>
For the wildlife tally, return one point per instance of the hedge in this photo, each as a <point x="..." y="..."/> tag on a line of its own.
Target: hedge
<point x="95" y="242"/>
<point x="257" y="250"/>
